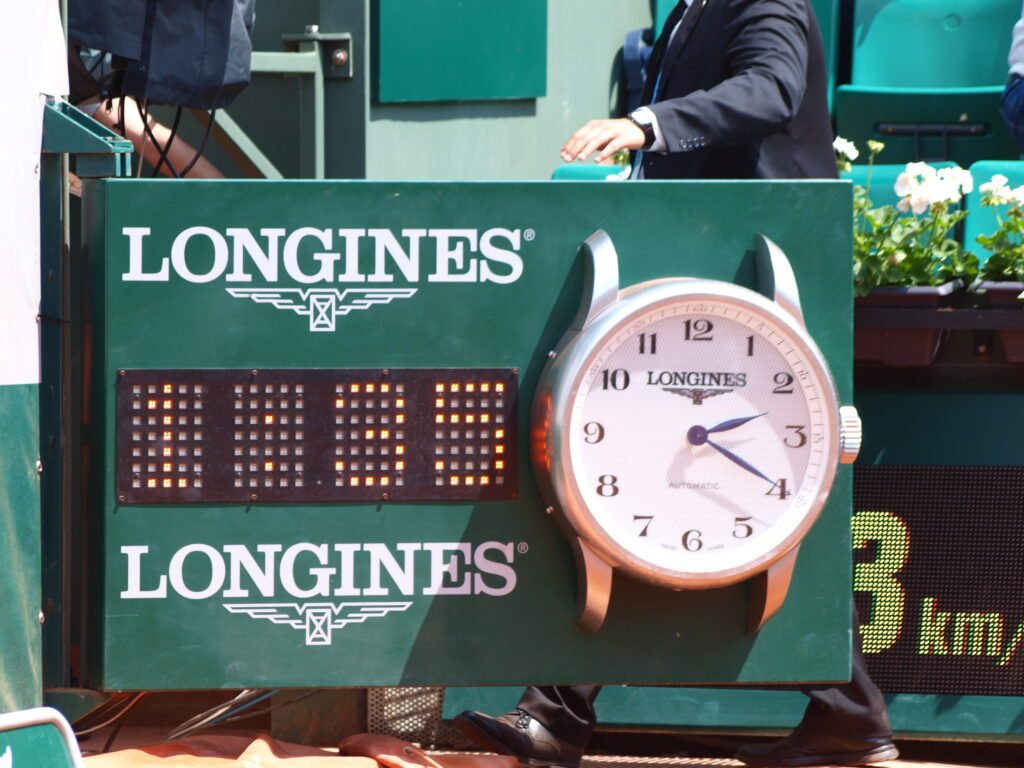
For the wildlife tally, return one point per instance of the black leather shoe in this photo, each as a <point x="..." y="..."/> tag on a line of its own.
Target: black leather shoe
<point x="803" y="749"/>
<point x="520" y="735"/>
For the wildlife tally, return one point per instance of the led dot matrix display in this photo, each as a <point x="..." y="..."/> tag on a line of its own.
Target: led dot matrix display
<point x="470" y="433"/>
<point x="165" y="442"/>
<point x="370" y="435"/>
<point x="316" y="435"/>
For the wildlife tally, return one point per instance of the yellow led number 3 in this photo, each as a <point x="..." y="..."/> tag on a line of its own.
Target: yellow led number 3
<point x="878" y="577"/>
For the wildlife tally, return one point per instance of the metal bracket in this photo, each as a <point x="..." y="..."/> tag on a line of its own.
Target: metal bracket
<point x="335" y="50"/>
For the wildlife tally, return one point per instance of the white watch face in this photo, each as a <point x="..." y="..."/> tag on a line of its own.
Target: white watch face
<point x="699" y="436"/>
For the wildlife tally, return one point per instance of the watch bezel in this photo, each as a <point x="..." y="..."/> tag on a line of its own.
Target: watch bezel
<point x="556" y="394"/>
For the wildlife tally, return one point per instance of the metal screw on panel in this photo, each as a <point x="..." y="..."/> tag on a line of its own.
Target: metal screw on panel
<point x="120" y="499"/>
<point x="39" y="467"/>
<point x="122" y="372"/>
<point x="340" y="57"/>
<point x="551" y="354"/>
<point x="42" y="618"/>
<point x="253" y="497"/>
<point x="312" y="29"/>
<point x="550" y="510"/>
<point x="255" y="372"/>
<point x="515" y="371"/>
<point x="383" y="497"/>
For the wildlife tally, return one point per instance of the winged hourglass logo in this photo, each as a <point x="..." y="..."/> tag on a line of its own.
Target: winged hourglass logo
<point x="322" y="305"/>
<point x="696" y="394"/>
<point x="318" y="619"/>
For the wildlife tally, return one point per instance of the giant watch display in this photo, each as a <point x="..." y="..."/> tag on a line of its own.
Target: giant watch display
<point x="687" y="432"/>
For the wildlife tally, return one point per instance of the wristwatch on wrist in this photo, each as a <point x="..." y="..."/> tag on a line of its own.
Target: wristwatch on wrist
<point x="647" y="128"/>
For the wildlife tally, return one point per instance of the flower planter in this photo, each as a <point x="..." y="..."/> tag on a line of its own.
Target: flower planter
<point x="902" y="346"/>
<point x="1003" y="295"/>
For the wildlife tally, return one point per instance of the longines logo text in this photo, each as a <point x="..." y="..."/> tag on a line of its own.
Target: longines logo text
<point x="696" y="385"/>
<point x="696" y="379"/>
<point x="316" y="258"/>
<point x="316" y="572"/>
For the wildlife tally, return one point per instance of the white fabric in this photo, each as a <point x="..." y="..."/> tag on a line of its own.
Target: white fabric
<point x="37" y="55"/>
<point x="1016" y="57"/>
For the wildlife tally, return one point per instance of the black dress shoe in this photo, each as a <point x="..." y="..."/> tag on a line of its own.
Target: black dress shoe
<point x="804" y="749"/>
<point x="520" y="735"/>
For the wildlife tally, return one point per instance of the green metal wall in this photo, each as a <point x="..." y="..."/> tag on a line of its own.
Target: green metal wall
<point x="20" y="637"/>
<point x="674" y="228"/>
<point x="488" y="138"/>
<point x="513" y="139"/>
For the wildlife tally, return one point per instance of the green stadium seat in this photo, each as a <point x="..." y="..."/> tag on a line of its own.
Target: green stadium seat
<point x="662" y="8"/>
<point x="981" y="219"/>
<point x="926" y="79"/>
<point x="38" y="737"/>
<point x="585" y="172"/>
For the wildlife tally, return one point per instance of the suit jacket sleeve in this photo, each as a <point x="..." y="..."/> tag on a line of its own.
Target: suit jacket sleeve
<point x="761" y="52"/>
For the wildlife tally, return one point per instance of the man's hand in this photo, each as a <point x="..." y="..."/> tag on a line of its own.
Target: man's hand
<point x="603" y="136"/>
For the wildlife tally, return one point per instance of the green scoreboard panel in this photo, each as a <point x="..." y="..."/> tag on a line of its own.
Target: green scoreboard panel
<point x="309" y="433"/>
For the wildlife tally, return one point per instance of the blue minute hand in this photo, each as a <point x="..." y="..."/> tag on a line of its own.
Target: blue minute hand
<point x="736" y="459"/>
<point x="698" y="435"/>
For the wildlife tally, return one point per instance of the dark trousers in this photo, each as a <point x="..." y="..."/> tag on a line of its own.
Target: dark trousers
<point x="855" y="709"/>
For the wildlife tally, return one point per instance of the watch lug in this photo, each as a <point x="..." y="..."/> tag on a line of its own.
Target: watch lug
<point x="600" y="278"/>
<point x="768" y="591"/>
<point x="593" y="586"/>
<point x="775" y="278"/>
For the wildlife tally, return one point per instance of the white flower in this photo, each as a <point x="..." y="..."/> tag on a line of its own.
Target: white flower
<point x="906" y="183"/>
<point x="1015" y="196"/>
<point x="996" y="190"/>
<point x="921" y="186"/>
<point x="918" y="201"/>
<point x="845" y="149"/>
<point x="939" y="190"/>
<point x="958" y="176"/>
<point x="921" y="170"/>
<point x="994" y="184"/>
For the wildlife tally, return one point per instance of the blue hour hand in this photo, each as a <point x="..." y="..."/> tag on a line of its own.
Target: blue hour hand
<point x="733" y="423"/>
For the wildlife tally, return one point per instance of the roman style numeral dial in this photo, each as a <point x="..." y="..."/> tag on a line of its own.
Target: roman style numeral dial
<point x="687" y="431"/>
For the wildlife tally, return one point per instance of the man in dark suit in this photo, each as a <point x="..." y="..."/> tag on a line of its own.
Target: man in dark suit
<point x="735" y="89"/>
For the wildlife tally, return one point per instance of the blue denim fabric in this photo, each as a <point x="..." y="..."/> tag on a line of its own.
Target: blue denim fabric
<point x="1012" y="108"/>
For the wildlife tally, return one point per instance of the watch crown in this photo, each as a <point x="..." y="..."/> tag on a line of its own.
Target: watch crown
<point x="851" y="434"/>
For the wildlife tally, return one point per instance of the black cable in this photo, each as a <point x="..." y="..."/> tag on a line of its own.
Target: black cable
<point x="121" y="721"/>
<point x="246" y="698"/>
<point x="170" y="140"/>
<point x="263" y="711"/>
<point x="123" y="711"/>
<point x="119" y="125"/>
<point x="144" y="114"/>
<point x="202" y="143"/>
